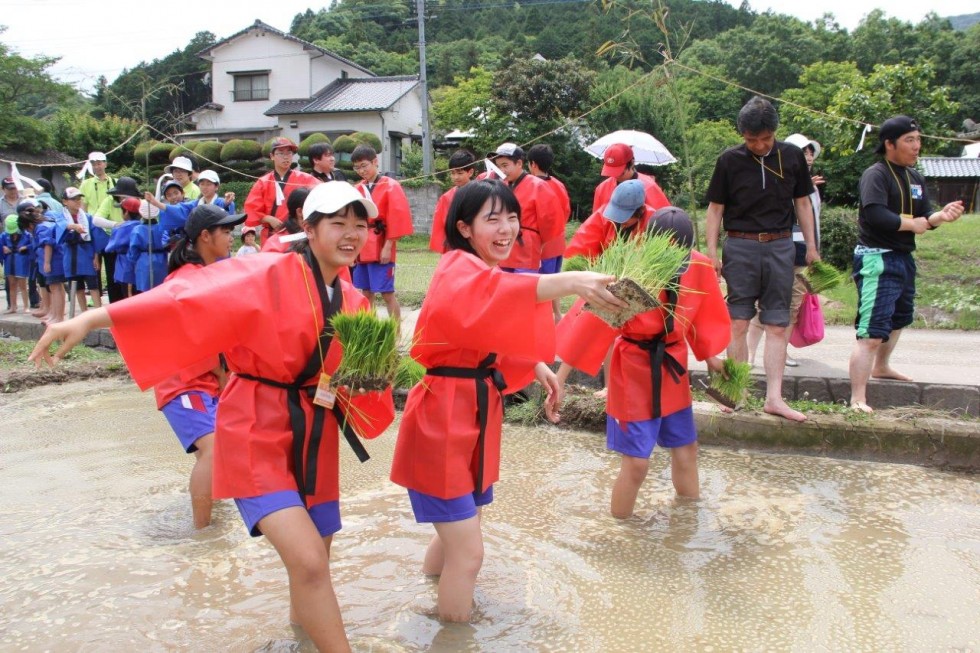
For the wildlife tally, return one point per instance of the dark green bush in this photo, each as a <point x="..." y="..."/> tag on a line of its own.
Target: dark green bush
<point x="208" y="151"/>
<point x="838" y="236"/>
<point x="141" y="151"/>
<point x="240" y="150"/>
<point x="160" y="153"/>
<point x="304" y="145"/>
<point x="239" y="188"/>
<point x="367" y="138"/>
<point x="344" y="144"/>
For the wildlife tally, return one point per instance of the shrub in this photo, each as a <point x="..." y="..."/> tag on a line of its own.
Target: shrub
<point x="367" y="138"/>
<point x="239" y="188"/>
<point x="838" y="237"/>
<point x="344" y="144"/>
<point x="160" y="153"/>
<point x="317" y="137"/>
<point x="208" y="151"/>
<point x="241" y="150"/>
<point x="141" y="151"/>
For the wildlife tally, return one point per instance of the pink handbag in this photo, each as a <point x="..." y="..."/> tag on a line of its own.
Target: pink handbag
<point x="809" y="323"/>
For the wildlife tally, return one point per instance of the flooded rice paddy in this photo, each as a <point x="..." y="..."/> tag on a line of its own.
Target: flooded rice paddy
<point x="782" y="553"/>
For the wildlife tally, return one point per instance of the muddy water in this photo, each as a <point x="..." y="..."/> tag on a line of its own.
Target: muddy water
<point x="782" y="553"/>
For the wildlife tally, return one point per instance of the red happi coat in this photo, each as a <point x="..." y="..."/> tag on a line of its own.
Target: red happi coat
<point x="274" y="245"/>
<point x="556" y="246"/>
<point x="257" y="310"/>
<point x="199" y="377"/>
<point x="594" y="235"/>
<point x="700" y="320"/>
<point x="393" y="213"/>
<point x="262" y="197"/>
<point x="540" y="222"/>
<point x="437" y="237"/>
<point x="654" y="196"/>
<point x="470" y="310"/>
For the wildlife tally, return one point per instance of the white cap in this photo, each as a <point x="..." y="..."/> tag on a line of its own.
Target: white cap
<point x="209" y="175"/>
<point x="181" y="162"/>
<point x="801" y="141"/>
<point x="331" y="196"/>
<point x="96" y="156"/>
<point x="147" y="210"/>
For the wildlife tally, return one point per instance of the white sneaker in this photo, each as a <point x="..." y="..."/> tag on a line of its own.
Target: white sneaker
<point x="792" y="362"/>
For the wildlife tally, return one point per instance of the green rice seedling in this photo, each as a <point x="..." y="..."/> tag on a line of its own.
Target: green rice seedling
<point x="575" y="264"/>
<point x="823" y="276"/>
<point x="370" y="350"/>
<point x="409" y="373"/>
<point x="645" y="266"/>
<point x="731" y="387"/>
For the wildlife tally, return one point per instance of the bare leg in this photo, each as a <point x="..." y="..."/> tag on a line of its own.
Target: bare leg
<point x="862" y="358"/>
<point x="684" y="471"/>
<point x="369" y="295"/>
<point x="43" y="307"/>
<point x="463" y="553"/>
<point x="775" y="361"/>
<point x="606" y="364"/>
<point x="632" y="473"/>
<point x="56" y="306"/>
<point x="738" y="347"/>
<point x="200" y="485"/>
<point x="391" y="302"/>
<point x="96" y="298"/>
<point x="24" y="295"/>
<point x="80" y="299"/>
<point x="753" y="337"/>
<point x="882" y="367"/>
<point x="311" y="596"/>
<point x="556" y="309"/>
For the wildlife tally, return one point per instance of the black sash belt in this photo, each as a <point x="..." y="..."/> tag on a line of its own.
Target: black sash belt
<point x="306" y="483"/>
<point x="657" y="349"/>
<point x="479" y="373"/>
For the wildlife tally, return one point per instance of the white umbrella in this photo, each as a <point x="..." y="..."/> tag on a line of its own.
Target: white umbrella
<point x="646" y="149"/>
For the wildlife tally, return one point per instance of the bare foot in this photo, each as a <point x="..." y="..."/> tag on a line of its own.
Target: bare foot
<point x="37" y="313"/>
<point x="601" y="394"/>
<point x="889" y="373"/>
<point x="10" y="310"/>
<point x="780" y="409"/>
<point x="861" y="407"/>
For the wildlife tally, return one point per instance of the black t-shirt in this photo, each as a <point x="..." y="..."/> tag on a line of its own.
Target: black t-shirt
<point x="336" y="175"/>
<point x="899" y="190"/>
<point x="738" y="184"/>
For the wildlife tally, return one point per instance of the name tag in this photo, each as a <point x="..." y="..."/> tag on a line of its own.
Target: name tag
<point x="325" y="395"/>
<point x="916" y="191"/>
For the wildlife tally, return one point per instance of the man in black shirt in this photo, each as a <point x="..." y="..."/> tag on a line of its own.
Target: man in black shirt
<point x="757" y="190"/>
<point x="894" y="206"/>
<point x="324" y="162"/>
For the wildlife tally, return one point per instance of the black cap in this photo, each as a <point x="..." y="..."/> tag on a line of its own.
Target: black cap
<point x="126" y="186"/>
<point x="172" y="184"/>
<point x="674" y="221"/>
<point x="27" y="205"/>
<point x="205" y="216"/>
<point x="894" y="128"/>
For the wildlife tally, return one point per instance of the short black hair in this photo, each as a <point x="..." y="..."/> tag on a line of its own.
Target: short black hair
<point x="468" y="201"/>
<point x="319" y="150"/>
<point x="542" y="156"/>
<point x="757" y="116"/>
<point x="363" y="153"/>
<point x="464" y="159"/>
<point x="45" y="185"/>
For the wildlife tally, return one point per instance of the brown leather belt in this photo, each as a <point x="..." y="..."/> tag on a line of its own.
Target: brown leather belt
<point x="761" y="236"/>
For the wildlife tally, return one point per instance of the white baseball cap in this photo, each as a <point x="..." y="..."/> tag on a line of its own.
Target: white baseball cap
<point x="211" y="176"/>
<point x="181" y="162"/>
<point x="331" y="196"/>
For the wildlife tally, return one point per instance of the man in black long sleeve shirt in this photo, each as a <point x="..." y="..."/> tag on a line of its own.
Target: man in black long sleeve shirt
<point x="895" y="207"/>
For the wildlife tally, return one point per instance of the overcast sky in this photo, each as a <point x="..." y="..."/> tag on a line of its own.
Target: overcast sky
<point x="106" y="36"/>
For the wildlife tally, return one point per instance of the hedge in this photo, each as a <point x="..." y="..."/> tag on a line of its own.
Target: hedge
<point x="317" y="137"/>
<point x="367" y="138"/>
<point x="160" y="153"/>
<point x="344" y="144"/>
<point x="209" y="151"/>
<point x="838" y="236"/>
<point x="139" y="154"/>
<point x="240" y="150"/>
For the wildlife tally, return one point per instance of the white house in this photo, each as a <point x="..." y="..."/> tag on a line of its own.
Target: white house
<point x="268" y="83"/>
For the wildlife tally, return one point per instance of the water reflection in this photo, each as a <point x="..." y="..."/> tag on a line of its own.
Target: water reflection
<point x="781" y="553"/>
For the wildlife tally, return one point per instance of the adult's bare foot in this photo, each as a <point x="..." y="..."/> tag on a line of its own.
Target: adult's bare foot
<point x="890" y="374"/>
<point x="781" y="409"/>
<point x="861" y="407"/>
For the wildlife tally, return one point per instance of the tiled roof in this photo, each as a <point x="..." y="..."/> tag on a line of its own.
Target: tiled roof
<point x="949" y="166"/>
<point x="352" y="94"/>
<point x="43" y="158"/>
<point x="258" y="24"/>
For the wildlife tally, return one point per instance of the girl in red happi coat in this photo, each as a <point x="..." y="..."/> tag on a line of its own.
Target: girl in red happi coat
<point x="481" y="332"/>
<point x="276" y="452"/>
<point x="649" y="400"/>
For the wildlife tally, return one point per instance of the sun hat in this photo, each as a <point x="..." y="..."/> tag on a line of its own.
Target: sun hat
<point x="801" y="141"/>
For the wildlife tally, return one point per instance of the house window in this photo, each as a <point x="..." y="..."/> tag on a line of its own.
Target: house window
<point x="254" y="86"/>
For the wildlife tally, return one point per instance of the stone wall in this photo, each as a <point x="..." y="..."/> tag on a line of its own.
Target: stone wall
<point x="423" y="202"/>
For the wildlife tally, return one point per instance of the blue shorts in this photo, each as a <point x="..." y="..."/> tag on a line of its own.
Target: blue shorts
<point x="551" y="265"/>
<point x="637" y="439"/>
<point x="428" y="508"/>
<point x="325" y="516"/>
<point x="522" y="270"/>
<point x="85" y="283"/>
<point x="376" y="277"/>
<point x="191" y="416"/>
<point x="54" y="279"/>
<point x="886" y="292"/>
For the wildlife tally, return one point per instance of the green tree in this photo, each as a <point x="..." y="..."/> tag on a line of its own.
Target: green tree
<point x="469" y="106"/>
<point x="78" y="134"/>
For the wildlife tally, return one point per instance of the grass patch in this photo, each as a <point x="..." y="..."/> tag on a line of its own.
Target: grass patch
<point x="14" y="353"/>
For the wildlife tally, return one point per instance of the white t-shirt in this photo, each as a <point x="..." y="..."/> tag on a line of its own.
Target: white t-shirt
<point x="245" y="250"/>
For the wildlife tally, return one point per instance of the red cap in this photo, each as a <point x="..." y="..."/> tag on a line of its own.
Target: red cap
<point x="615" y="159"/>
<point x="130" y="205"/>
<point x="282" y="141"/>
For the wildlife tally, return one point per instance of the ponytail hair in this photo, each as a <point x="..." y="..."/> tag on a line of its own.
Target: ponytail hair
<point x="183" y="252"/>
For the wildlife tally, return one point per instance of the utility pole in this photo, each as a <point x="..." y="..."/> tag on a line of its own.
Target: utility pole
<point x="426" y="134"/>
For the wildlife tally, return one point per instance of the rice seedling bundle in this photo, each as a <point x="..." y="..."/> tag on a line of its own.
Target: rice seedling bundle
<point x="731" y="387"/>
<point x="409" y="373"/>
<point x="370" y="350"/>
<point x="823" y="276"/>
<point x="575" y="264"/>
<point x="645" y="266"/>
